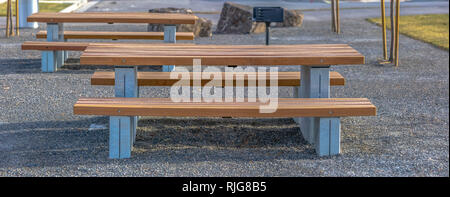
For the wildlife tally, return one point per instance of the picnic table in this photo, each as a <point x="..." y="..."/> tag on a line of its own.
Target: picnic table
<point x="55" y="28"/>
<point x="320" y="124"/>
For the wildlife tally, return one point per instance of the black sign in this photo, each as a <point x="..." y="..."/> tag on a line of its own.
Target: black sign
<point x="268" y="14"/>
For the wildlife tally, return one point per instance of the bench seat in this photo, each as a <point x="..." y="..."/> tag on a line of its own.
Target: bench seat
<point x="163" y="79"/>
<point x="287" y="107"/>
<point x="54" y="46"/>
<point x="123" y="111"/>
<point x="118" y="35"/>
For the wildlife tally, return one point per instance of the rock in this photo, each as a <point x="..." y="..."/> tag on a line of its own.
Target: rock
<point x="201" y="28"/>
<point x="237" y="19"/>
<point x="292" y="18"/>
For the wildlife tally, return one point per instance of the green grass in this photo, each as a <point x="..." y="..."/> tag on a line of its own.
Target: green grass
<point x="43" y="7"/>
<point x="430" y="28"/>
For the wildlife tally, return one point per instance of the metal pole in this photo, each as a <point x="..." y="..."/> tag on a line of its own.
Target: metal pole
<point x="17" y="18"/>
<point x="27" y="7"/>
<point x="333" y="24"/>
<point x="8" y="5"/>
<point x="11" y="27"/>
<point x="338" y="25"/>
<point x="383" y="24"/>
<point x="267" y="32"/>
<point x="397" y="31"/>
<point x="391" y="51"/>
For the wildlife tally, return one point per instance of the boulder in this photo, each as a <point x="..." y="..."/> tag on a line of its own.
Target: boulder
<point x="201" y="28"/>
<point x="237" y="19"/>
<point x="292" y="18"/>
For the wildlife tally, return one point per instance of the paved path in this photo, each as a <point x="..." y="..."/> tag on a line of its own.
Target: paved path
<point x="353" y="9"/>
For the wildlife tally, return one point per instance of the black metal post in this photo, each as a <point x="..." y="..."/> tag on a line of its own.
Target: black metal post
<point x="267" y="32"/>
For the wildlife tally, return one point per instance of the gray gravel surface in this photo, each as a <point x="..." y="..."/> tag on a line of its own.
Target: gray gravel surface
<point x="40" y="136"/>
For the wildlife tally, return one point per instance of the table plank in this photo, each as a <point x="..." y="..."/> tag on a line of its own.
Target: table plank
<point x="116" y="17"/>
<point x="321" y="54"/>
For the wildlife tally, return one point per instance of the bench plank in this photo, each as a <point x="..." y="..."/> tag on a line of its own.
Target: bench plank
<point x="287" y="107"/>
<point x="54" y="46"/>
<point x="117" y="35"/>
<point x="163" y="79"/>
<point x="113" y="17"/>
<point x="314" y="55"/>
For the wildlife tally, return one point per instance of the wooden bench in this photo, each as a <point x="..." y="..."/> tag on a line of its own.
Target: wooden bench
<point x="163" y="79"/>
<point x="326" y="110"/>
<point x="52" y="60"/>
<point x="55" y="46"/>
<point x="118" y="35"/>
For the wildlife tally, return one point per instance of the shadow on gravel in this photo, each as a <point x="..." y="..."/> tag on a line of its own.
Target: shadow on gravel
<point x="22" y="66"/>
<point x="71" y="66"/>
<point x="177" y="140"/>
<point x="31" y="66"/>
<point x="74" y="64"/>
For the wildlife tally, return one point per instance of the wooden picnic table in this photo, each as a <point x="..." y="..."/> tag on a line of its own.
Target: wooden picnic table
<point x="315" y="61"/>
<point x="55" y="27"/>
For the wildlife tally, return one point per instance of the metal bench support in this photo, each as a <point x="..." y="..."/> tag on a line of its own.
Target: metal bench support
<point x="123" y="128"/>
<point x="52" y="60"/>
<point x="120" y="136"/>
<point x="327" y="136"/>
<point x="315" y="83"/>
<point x="170" y="35"/>
<point x="66" y="53"/>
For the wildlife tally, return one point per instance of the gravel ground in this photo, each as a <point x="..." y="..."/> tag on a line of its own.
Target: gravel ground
<point x="40" y="136"/>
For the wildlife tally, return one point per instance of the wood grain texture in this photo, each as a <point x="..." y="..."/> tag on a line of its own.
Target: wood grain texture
<point x="217" y="55"/>
<point x="287" y="107"/>
<point x="78" y="46"/>
<point x="118" y="35"/>
<point x="113" y="17"/>
<point x="163" y="79"/>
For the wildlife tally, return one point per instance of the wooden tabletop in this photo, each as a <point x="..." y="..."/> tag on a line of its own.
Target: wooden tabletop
<point x="116" y="17"/>
<point x="218" y="55"/>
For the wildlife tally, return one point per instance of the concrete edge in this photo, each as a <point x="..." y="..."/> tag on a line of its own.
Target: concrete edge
<point x="86" y="6"/>
<point x="75" y="5"/>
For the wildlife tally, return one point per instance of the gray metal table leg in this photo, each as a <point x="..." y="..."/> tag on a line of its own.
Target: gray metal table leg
<point x="327" y="136"/>
<point x="52" y="60"/>
<point x="66" y="53"/>
<point x="123" y="128"/>
<point x="322" y="132"/>
<point x="170" y="32"/>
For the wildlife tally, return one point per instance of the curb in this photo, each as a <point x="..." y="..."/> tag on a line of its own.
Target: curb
<point x="75" y="5"/>
<point x="86" y="6"/>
